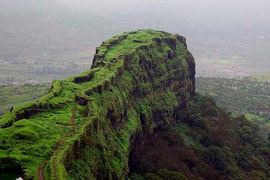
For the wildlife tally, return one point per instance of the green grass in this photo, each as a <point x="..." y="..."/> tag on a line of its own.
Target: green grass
<point x="33" y="139"/>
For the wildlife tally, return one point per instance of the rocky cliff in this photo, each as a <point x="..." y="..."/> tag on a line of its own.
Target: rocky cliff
<point x="86" y="126"/>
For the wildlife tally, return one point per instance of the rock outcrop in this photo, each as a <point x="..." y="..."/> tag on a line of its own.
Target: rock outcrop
<point x="86" y="126"/>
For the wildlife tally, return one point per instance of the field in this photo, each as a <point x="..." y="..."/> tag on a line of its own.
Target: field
<point x="239" y="96"/>
<point x="240" y="58"/>
<point x="17" y="95"/>
<point x="261" y="78"/>
<point x="43" y="70"/>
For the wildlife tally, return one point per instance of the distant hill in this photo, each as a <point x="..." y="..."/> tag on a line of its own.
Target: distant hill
<point x="45" y="40"/>
<point x="47" y="32"/>
<point x="31" y="28"/>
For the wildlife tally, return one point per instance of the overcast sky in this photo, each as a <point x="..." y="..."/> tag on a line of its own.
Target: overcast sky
<point x="227" y="13"/>
<point x="233" y="5"/>
<point x="201" y="21"/>
<point x="224" y="10"/>
<point x="215" y="18"/>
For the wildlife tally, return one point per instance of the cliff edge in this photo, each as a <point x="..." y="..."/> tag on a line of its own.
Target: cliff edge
<point x="86" y="126"/>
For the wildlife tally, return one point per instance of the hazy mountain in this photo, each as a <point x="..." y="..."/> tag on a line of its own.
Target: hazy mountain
<point x="32" y="28"/>
<point x="228" y="38"/>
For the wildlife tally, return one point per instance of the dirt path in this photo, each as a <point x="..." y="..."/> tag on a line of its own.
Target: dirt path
<point x="73" y="118"/>
<point x="41" y="170"/>
<point x="60" y="142"/>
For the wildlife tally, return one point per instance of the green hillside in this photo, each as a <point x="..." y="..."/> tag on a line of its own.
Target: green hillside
<point x="204" y="143"/>
<point x="135" y="115"/>
<point x="97" y="113"/>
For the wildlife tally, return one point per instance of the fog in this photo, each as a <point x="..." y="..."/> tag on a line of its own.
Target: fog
<point x="204" y="8"/>
<point x="227" y="11"/>
<point x="50" y="36"/>
<point x="123" y="5"/>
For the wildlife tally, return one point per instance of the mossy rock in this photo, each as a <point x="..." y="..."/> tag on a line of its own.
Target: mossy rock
<point x="25" y="134"/>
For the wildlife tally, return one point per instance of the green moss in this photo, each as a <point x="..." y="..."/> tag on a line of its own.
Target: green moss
<point x="129" y="129"/>
<point x="25" y="134"/>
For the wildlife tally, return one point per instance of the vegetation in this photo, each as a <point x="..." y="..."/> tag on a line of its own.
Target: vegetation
<point x="204" y="143"/>
<point x="261" y="78"/>
<point x="238" y="96"/>
<point x="133" y="114"/>
<point x="17" y="95"/>
<point x="84" y="126"/>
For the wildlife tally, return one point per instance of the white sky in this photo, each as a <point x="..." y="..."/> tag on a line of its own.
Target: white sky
<point x="132" y="4"/>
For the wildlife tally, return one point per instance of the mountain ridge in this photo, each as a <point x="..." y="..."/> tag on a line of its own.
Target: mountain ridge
<point x="137" y="81"/>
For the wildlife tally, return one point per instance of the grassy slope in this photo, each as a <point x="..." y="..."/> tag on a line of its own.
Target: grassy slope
<point x="30" y="135"/>
<point x="111" y="142"/>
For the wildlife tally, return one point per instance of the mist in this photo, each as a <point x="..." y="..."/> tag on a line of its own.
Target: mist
<point x="42" y="33"/>
<point x="228" y="18"/>
<point x="182" y="94"/>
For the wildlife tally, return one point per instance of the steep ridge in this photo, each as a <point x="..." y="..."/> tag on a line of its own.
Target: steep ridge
<point x="84" y="128"/>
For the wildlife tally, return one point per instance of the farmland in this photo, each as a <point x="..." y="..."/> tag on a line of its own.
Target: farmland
<point x="16" y="95"/>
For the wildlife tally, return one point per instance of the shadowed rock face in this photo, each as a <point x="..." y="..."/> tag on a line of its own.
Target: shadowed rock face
<point x="137" y="81"/>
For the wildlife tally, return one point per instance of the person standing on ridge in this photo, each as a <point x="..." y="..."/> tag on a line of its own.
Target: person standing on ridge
<point x="11" y="109"/>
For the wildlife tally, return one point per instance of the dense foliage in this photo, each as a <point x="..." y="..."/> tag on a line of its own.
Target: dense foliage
<point x="238" y="95"/>
<point x="204" y="143"/>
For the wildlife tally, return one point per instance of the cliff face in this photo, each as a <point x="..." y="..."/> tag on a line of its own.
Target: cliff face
<point x="86" y="126"/>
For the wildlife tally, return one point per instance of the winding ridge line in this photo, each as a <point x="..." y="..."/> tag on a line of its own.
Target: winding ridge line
<point x="73" y="125"/>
